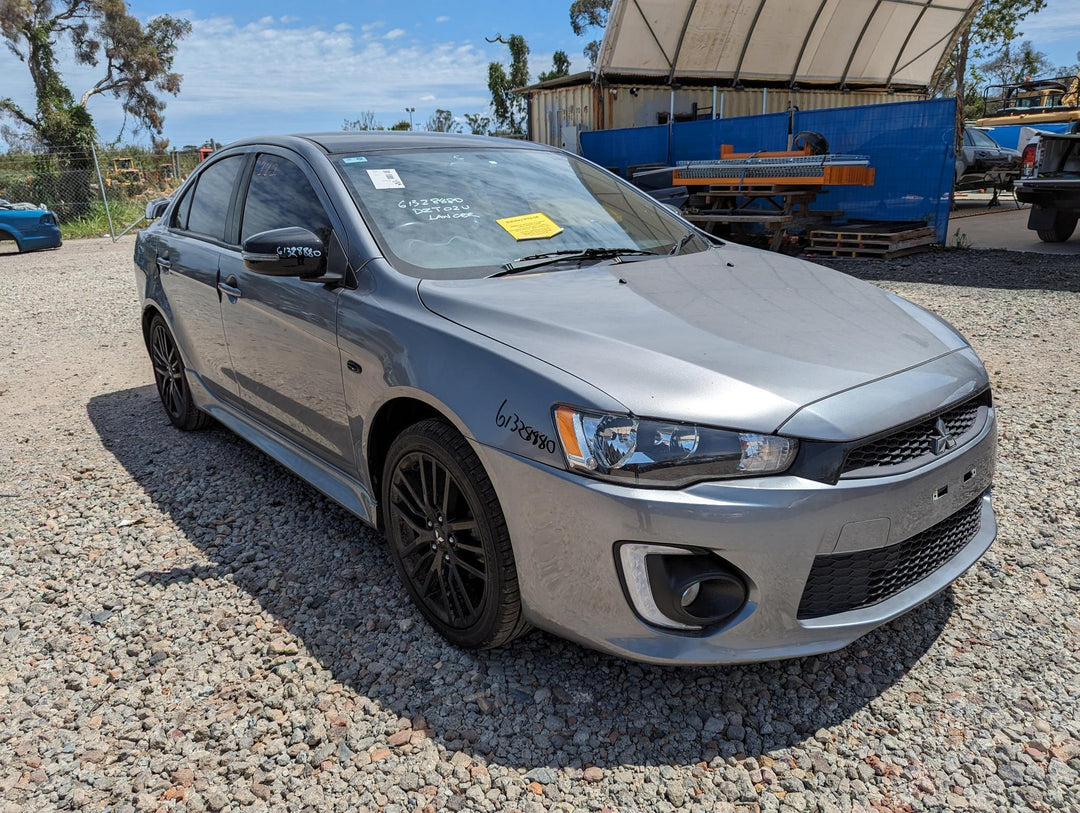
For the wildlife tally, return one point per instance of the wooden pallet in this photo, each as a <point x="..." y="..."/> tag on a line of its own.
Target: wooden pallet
<point x="885" y="240"/>
<point x="841" y="254"/>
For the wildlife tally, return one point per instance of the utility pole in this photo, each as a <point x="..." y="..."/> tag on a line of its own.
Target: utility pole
<point x="410" y="111"/>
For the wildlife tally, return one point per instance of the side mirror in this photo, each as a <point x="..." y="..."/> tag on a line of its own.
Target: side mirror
<point x="156" y="208"/>
<point x="291" y="252"/>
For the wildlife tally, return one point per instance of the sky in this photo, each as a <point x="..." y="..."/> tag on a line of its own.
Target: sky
<point x="273" y="67"/>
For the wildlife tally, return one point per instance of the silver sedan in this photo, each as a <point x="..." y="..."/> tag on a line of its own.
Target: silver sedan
<point x="563" y="405"/>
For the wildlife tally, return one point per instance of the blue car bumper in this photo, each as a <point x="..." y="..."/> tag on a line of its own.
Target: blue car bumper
<point x="32" y="230"/>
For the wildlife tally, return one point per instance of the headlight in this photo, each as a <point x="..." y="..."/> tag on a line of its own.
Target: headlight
<point x="663" y="453"/>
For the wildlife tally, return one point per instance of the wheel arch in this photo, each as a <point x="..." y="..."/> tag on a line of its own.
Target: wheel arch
<point x="151" y="310"/>
<point x="391" y="419"/>
<point x="8" y="234"/>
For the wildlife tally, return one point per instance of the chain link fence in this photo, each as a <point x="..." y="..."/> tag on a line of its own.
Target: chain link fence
<point x="97" y="191"/>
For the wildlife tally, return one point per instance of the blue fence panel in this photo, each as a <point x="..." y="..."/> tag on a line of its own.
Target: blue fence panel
<point x="910" y="145"/>
<point x="701" y="140"/>
<point x="618" y="149"/>
<point x="1008" y="135"/>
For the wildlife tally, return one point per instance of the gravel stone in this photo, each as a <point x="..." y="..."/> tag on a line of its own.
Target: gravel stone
<point x="543" y="775"/>
<point x="187" y="626"/>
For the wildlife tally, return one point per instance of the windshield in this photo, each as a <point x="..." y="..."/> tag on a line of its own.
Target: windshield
<point x="458" y="214"/>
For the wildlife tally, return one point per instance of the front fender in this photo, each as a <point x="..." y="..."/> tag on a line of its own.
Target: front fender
<point x="493" y="394"/>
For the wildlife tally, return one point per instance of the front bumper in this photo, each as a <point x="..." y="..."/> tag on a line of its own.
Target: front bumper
<point x="565" y="528"/>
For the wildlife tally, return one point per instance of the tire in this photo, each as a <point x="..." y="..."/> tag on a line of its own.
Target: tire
<point x="1062" y="230"/>
<point x="171" y="378"/>
<point x="448" y="538"/>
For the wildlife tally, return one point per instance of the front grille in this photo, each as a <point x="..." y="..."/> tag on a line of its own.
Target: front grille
<point x="915" y="441"/>
<point x="840" y="582"/>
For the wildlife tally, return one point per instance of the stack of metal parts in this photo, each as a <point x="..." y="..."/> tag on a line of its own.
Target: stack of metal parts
<point x="802" y="169"/>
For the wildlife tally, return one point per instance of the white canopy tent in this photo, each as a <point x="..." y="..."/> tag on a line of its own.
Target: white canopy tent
<point x="840" y="43"/>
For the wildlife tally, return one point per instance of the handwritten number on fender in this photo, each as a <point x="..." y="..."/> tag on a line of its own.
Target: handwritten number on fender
<point x="511" y="422"/>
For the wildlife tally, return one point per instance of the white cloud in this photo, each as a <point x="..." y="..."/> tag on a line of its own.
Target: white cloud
<point x="317" y="72"/>
<point x="394" y="33"/>
<point x="264" y="76"/>
<point x="1055" y="30"/>
<point x="442" y="19"/>
<point x="371" y="26"/>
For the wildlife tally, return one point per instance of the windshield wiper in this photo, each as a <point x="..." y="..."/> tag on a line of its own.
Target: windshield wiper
<point x="567" y="255"/>
<point x="676" y="250"/>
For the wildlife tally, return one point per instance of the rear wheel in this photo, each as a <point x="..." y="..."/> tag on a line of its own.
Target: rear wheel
<point x="1062" y="230"/>
<point x="448" y="537"/>
<point x="171" y="378"/>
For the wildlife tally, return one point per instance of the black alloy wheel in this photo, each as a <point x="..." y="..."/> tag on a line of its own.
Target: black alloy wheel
<point x="448" y="537"/>
<point x="171" y="379"/>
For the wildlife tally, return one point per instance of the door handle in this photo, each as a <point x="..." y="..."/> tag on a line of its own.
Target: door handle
<point x="228" y="287"/>
<point x="164" y="264"/>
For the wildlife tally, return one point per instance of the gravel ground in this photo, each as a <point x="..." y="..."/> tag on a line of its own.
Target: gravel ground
<point x="186" y="626"/>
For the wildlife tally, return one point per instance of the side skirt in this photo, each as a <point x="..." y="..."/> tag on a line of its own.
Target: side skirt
<point x="347" y="491"/>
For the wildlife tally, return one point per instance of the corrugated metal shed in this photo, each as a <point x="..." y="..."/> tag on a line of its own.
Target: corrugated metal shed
<point x="841" y="43"/>
<point x="562" y="109"/>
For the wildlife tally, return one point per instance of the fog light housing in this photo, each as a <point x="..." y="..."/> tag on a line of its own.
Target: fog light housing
<point x="680" y="589"/>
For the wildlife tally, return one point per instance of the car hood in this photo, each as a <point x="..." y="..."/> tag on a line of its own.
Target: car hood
<point x="728" y="337"/>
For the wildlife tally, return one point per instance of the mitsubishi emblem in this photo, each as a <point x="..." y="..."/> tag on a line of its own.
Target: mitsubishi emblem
<point x="944" y="440"/>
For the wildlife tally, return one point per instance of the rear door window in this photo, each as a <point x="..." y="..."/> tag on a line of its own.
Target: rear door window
<point x="210" y="201"/>
<point x="180" y="214"/>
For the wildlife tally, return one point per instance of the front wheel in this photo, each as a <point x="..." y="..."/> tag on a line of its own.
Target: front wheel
<point x="171" y="378"/>
<point x="448" y="537"/>
<point x="1062" y="230"/>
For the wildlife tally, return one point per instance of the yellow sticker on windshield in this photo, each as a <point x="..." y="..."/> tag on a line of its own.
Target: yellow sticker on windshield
<point x="536" y="226"/>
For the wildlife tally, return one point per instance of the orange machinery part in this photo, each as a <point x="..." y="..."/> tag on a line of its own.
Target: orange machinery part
<point x="831" y="176"/>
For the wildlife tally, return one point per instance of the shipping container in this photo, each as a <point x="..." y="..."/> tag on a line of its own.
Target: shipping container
<point x="561" y="109"/>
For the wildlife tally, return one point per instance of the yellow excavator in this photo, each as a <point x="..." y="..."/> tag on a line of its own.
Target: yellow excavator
<point x="1032" y="102"/>
<point x="125" y="174"/>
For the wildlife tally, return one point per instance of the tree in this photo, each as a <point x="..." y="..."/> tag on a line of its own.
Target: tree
<point x="364" y="121"/>
<point x="442" y="121"/>
<point x="1069" y="70"/>
<point x="136" y="60"/>
<point x="560" y="66"/>
<point x="403" y="125"/>
<point x="509" y="108"/>
<point x="1016" y="63"/>
<point x="478" y="123"/>
<point x="586" y="14"/>
<point x="994" y="26"/>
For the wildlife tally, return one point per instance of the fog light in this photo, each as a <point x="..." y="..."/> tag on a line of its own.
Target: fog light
<point x="680" y="589"/>
<point x="632" y="558"/>
<point x="690" y="593"/>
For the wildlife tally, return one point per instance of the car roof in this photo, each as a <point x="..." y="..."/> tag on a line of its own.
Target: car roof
<point x="369" y="140"/>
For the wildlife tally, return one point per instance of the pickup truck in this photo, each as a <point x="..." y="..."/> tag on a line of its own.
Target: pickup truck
<point x="1050" y="181"/>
